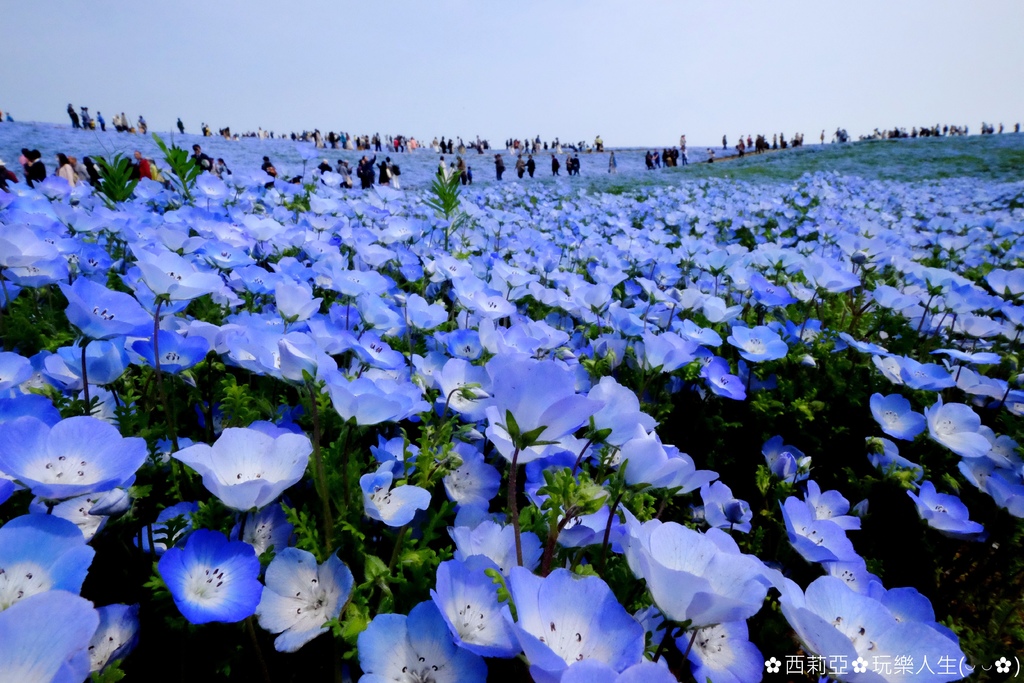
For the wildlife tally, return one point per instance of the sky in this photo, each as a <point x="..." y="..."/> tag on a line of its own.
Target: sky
<point x="636" y="72"/>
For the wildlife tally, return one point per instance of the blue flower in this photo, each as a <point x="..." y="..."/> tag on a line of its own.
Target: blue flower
<point x="497" y="543"/>
<point x="701" y="578"/>
<point x="955" y="426"/>
<point x="177" y="353"/>
<point x="946" y="513"/>
<point x="758" y="344"/>
<point x="301" y="597"/>
<point x="474" y="482"/>
<point x="76" y="456"/>
<point x="247" y="469"/>
<point x="212" y="578"/>
<point x="44" y="638"/>
<point x="101" y="313"/>
<point x="563" y="619"/>
<point x="768" y="294"/>
<point x="40" y="553"/>
<point x="268" y="528"/>
<point x="532" y="402"/>
<point x="721" y="382"/>
<point x="393" y="506"/>
<point x="593" y="671"/>
<point x="723" y="654"/>
<point x="817" y="540"/>
<point x="116" y="636"/>
<point x="722" y="510"/>
<point x="468" y="601"/>
<point x="786" y="462"/>
<point x="395" y="647"/>
<point x="894" y="415"/>
<point x="833" y="620"/>
<point x="14" y="369"/>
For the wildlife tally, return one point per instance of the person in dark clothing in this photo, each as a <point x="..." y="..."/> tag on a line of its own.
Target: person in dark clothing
<point x="324" y="167"/>
<point x="74" y="117"/>
<point x="94" y="173"/>
<point x="520" y="166"/>
<point x="531" y="165"/>
<point x="365" y="171"/>
<point x="499" y="165"/>
<point x="35" y="170"/>
<point x="575" y="164"/>
<point x="181" y="126"/>
<point x="451" y="147"/>
<point x="201" y="158"/>
<point x="6" y="177"/>
<point x="385" y="171"/>
<point x="554" y="165"/>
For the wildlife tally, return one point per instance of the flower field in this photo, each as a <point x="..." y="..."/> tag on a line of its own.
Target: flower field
<point x="764" y="427"/>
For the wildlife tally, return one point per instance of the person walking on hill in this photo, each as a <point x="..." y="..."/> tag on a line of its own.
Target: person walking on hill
<point x="74" y="117"/>
<point x="725" y="145"/>
<point x="520" y="166"/>
<point x="499" y="165"/>
<point x="554" y="165"/>
<point x="181" y="126"/>
<point x="613" y="166"/>
<point x="531" y="165"/>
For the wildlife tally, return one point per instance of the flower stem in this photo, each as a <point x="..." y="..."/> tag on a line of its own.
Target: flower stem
<point x="513" y="507"/>
<point x="321" y="473"/>
<point x="259" y="651"/>
<point x="608" y="529"/>
<point x="168" y="414"/>
<point x="85" y="381"/>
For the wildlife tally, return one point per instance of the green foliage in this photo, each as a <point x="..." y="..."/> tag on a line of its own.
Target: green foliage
<point x="116" y="183"/>
<point x="183" y="168"/>
<point x="111" y="673"/>
<point x="445" y="200"/>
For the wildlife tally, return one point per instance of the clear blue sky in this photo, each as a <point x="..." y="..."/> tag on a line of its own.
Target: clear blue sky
<point x="638" y="72"/>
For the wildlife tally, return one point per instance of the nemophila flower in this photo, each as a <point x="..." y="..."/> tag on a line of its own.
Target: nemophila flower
<point x="721" y="382"/>
<point x="177" y="352"/>
<point x="462" y="388"/>
<point x="371" y="402"/>
<point x="532" y="402"/>
<point x="785" y="462"/>
<point x="39" y="553"/>
<point x="76" y="456"/>
<point x="895" y="416"/>
<point x="834" y="621"/>
<point x="593" y="671"/>
<point x="468" y="600"/>
<point x="703" y="578"/>
<point x="172" y="276"/>
<point x="563" y="619"/>
<point x="374" y="352"/>
<point x="212" y="578"/>
<point x="758" y="344"/>
<point x="423" y="315"/>
<point x="418" y="647"/>
<point x="301" y="597"/>
<point x="723" y="654"/>
<point x="29" y="405"/>
<point x="246" y="468"/>
<point x="116" y="635"/>
<point x="394" y="506"/>
<point x="77" y="510"/>
<point x="295" y="301"/>
<point x="830" y="505"/>
<point x="496" y="542"/>
<point x="100" y="313"/>
<point x="474" y="482"/>
<point x="884" y="455"/>
<point x="268" y="528"/>
<point x="954" y="425"/>
<point x="14" y="369"/>
<point x="922" y="376"/>
<point x="647" y="461"/>
<point x="667" y="352"/>
<point x="621" y="414"/>
<point x="463" y="343"/>
<point x="105" y="361"/>
<point x="45" y="638"/>
<point x="722" y="510"/>
<point x="768" y="294"/>
<point x="816" y="540"/>
<point x="717" y="311"/>
<point x="946" y="513"/>
<point x="978" y="358"/>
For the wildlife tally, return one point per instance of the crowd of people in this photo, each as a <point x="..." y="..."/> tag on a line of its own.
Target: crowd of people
<point x="83" y="120"/>
<point x="368" y="171"/>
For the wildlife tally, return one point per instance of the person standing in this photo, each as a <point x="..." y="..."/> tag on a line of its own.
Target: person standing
<point x="554" y="165"/>
<point x="35" y="169"/>
<point x="100" y="120"/>
<point x="499" y="165"/>
<point x="74" y="117"/>
<point x="385" y="171"/>
<point x="65" y="170"/>
<point x="181" y="126"/>
<point x="143" y="167"/>
<point x="531" y="165"/>
<point x="520" y="166"/>
<point x="613" y="166"/>
<point x="725" y="144"/>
